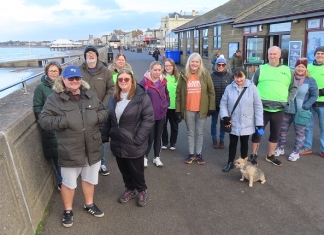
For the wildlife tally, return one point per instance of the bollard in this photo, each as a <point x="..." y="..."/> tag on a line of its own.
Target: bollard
<point x="110" y="57"/>
<point x="25" y="88"/>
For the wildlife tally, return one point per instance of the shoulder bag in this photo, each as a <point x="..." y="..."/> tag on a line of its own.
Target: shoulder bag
<point x="302" y="117"/>
<point x="229" y="129"/>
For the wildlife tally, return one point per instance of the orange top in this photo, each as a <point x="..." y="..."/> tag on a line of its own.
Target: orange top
<point x="193" y="93"/>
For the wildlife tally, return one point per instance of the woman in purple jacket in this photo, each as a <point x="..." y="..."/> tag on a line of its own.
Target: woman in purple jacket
<point x="155" y="85"/>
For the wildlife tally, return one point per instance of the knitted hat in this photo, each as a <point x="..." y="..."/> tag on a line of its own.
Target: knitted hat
<point x="240" y="69"/>
<point x="221" y="59"/>
<point x="303" y="61"/>
<point x="90" y="48"/>
<point x="321" y="49"/>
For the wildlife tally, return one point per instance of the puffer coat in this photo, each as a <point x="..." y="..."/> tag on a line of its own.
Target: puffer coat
<point x="76" y="124"/>
<point x="248" y="113"/>
<point x="129" y="137"/>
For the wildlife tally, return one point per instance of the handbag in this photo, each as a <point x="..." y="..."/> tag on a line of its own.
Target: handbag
<point x="229" y="129"/>
<point x="302" y="117"/>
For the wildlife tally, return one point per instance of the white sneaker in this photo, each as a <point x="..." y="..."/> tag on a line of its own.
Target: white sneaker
<point x="172" y="148"/>
<point x="145" y="162"/>
<point x="157" y="162"/>
<point x="279" y="152"/>
<point x="293" y="157"/>
<point x="164" y="147"/>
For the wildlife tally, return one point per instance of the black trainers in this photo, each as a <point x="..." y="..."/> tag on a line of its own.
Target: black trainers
<point x="200" y="160"/>
<point x="253" y="160"/>
<point x="128" y="194"/>
<point x="67" y="219"/>
<point x="142" y="198"/>
<point x="94" y="210"/>
<point x="272" y="159"/>
<point x="103" y="170"/>
<point x="190" y="158"/>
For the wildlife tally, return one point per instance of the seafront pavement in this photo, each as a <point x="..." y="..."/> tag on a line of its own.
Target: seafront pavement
<point x="195" y="199"/>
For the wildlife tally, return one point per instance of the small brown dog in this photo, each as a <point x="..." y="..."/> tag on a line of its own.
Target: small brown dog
<point x="250" y="172"/>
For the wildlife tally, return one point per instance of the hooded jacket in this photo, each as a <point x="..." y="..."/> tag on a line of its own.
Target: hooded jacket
<point x="158" y="95"/>
<point x="129" y="137"/>
<point x="101" y="81"/>
<point x="248" y="113"/>
<point x="75" y="124"/>
<point x="113" y="69"/>
<point x="236" y="61"/>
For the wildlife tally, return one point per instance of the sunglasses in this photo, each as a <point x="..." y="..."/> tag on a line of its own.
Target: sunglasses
<point x="74" y="78"/>
<point x="221" y="65"/>
<point x="123" y="79"/>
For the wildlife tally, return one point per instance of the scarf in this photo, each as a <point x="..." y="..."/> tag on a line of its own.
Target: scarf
<point x="300" y="79"/>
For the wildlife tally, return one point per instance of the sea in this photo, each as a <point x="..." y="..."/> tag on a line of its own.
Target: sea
<point x="9" y="76"/>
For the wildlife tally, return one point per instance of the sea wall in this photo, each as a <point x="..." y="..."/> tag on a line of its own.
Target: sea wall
<point x="27" y="179"/>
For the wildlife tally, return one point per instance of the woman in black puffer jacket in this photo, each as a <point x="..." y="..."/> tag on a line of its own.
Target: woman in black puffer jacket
<point x="128" y="127"/>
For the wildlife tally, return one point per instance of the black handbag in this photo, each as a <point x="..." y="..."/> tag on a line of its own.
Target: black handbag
<point x="228" y="129"/>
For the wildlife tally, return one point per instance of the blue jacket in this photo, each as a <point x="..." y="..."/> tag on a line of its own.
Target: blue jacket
<point x="306" y="96"/>
<point x="249" y="111"/>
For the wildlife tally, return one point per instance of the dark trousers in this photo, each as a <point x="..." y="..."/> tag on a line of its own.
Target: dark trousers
<point x="172" y="118"/>
<point x="155" y="136"/>
<point x="275" y="120"/>
<point x="244" y="139"/>
<point x="132" y="170"/>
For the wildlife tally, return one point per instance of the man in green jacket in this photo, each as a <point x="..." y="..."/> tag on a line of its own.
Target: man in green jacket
<point x="100" y="80"/>
<point x="276" y="87"/>
<point x="316" y="70"/>
<point x="236" y="60"/>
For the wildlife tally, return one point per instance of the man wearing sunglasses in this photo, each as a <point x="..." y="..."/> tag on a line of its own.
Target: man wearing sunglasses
<point x="100" y="80"/>
<point x="74" y="112"/>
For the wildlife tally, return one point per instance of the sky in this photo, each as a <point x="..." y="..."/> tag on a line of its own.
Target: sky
<point x="48" y="20"/>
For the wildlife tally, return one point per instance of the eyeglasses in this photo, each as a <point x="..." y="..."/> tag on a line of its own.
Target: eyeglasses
<point x="53" y="71"/>
<point x="74" y="78"/>
<point x="221" y="65"/>
<point x="91" y="53"/>
<point x="123" y="79"/>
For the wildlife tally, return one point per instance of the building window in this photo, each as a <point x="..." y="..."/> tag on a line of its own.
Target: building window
<point x="196" y="40"/>
<point x="188" y="42"/>
<point x="181" y="40"/>
<point x="205" y="43"/>
<point x="171" y="41"/>
<point x="218" y="36"/>
<point x="315" y="36"/>
<point x="254" y="50"/>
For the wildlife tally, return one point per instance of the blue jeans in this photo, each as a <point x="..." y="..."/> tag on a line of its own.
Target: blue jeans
<point x="310" y="128"/>
<point x="195" y="130"/>
<point x="104" y="151"/>
<point x="213" y="128"/>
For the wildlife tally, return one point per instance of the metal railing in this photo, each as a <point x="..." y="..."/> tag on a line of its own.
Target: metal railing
<point x="24" y="82"/>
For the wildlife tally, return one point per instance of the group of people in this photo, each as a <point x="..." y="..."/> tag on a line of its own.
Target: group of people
<point x="84" y="109"/>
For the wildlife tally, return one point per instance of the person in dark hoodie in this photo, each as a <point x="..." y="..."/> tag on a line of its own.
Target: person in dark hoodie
<point x="128" y="127"/>
<point x="221" y="78"/>
<point x="155" y="85"/>
<point x="52" y="71"/>
<point x="97" y="75"/>
<point x="236" y="60"/>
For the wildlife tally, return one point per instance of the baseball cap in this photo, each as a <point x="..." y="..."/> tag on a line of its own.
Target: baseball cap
<point x="71" y="71"/>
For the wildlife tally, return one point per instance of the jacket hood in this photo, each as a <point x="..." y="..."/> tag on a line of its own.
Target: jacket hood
<point x="147" y="75"/>
<point x="140" y="89"/>
<point x="113" y="68"/>
<point x="236" y="55"/>
<point x="59" y="86"/>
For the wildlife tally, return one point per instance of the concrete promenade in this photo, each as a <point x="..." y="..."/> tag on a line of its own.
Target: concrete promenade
<point x="194" y="199"/>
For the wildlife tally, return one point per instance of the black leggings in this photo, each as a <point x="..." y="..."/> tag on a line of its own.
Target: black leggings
<point x="275" y="120"/>
<point x="155" y="135"/>
<point x="244" y="139"/>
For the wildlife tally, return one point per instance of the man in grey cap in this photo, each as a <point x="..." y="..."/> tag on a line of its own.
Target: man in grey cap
<point x="316" y="71"/>
<point x="100" y="80"/>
